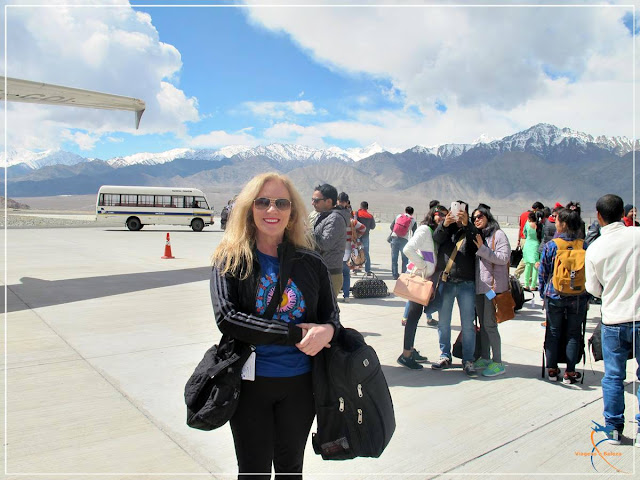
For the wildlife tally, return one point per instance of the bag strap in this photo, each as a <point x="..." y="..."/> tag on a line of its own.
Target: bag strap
<point x="285" y="270"/>
<point x="452" y="258"/>
<point x="220" y="366"/>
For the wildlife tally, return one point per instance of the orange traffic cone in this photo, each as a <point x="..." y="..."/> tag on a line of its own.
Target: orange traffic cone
<point x="167" y="248"/>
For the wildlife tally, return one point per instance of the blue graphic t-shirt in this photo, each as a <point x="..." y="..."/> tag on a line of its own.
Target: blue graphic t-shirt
<point x="280" y="360"/>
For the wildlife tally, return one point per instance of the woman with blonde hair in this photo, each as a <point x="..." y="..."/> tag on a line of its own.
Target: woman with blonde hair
<point x="265" y="255"/>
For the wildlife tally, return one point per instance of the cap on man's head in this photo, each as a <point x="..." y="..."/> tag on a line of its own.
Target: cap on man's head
<point x="627" y="208"/>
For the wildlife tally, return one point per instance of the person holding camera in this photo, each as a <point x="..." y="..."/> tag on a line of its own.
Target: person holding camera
<point x="455" y="239"/>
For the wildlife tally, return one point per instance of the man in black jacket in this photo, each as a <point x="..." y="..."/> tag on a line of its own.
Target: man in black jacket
<point x="457" y="234"/>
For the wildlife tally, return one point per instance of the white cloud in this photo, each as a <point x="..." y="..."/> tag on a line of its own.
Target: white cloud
<point x="280" y="109"/>
<point x="115" y="50"/>
<point x="84" y="141"/>
<point x="220" y="138"/>
<point x="489" y="62"/>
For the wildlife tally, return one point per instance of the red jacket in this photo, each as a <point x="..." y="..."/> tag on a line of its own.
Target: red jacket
<point x="524" y="216"/>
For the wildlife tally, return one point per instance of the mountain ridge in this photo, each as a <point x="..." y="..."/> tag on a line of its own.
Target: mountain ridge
<point x="540" y="138"/>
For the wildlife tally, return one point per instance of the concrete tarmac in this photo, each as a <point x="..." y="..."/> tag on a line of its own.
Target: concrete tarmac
<point x="102" y="334"/>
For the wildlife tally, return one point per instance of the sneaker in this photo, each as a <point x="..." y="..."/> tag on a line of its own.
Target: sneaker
<point x="409" y="362"/>
<point x="441" y="364"/>
<point x="554" y="374"/>
<point x="404" y="322"/>
<point x="638" y="440"/>
<point x="369" y="273"/>
<point x="613" y="437"/>
<point x="415" y="354"/>
<point x="469" y="369"/>
<point x="345" y="299"/>
<point x="543" y="324"/>
<point x="493" y="370"/>
<point x="571" y="377"/>
<point x="481" y="363"/>
<point x="431" y="322"/>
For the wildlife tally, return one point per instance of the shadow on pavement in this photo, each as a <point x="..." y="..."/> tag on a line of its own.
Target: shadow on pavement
<point x="35" y="293"/>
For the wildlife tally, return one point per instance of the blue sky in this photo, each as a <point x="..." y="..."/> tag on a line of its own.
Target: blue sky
<point x="348" y="77"/>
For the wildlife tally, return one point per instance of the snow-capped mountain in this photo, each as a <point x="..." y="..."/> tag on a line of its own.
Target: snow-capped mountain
<point x="483" y="139"/>
<point x="148" y="158"/>
<point x="542" y="140"/>
<point x="357" y="154"/>
<point x="287" y="152"/>
<point x="35" y="160"/>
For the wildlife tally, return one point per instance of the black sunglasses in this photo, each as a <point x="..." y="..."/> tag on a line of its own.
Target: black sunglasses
<point x="479" y="215"/>
<point x="262" y="203"/>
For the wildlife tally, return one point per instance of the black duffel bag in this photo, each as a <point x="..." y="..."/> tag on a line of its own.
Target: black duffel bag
<point x="213" y="391"/>
<point x="370" y="287"/>
<point x="595" y="343"/>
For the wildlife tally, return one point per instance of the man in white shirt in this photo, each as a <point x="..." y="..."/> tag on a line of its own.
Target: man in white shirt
<point x="612" y="272"/>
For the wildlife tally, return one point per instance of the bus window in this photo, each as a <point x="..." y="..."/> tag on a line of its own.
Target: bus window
<point x="145" y="200"/>
<point x="111" y="199"/>
<point x="129" y="200"/>
<point x="177" y="202"/>
<point x="101" y="200"/>
<point x="201" y="203"/>
<point x="163" y="200"/>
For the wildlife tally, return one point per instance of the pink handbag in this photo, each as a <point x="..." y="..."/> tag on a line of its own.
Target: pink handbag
<point x="415" y="288"/>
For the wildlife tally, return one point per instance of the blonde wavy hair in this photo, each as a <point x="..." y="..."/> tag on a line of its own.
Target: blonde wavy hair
<point x="234" y="253"/>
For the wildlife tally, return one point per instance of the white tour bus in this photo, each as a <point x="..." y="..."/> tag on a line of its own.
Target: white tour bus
<point x="139" y="206"/>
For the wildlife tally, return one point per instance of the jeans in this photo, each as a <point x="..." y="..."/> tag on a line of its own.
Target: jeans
<point x="365" y="245"/>
<point x="346" y="279"/>
<point x="565" y="313"/>
<point x="617" y="342"/>
<point x="397" y="244"/>
<point x="465" y="293"/>
<point x="489" y="334"/>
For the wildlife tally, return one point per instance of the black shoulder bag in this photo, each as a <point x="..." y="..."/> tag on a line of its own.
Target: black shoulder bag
<point x="212" y="393"/>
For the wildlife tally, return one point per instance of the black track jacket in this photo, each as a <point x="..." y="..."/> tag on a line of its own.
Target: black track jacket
<point x="234" y="300"/>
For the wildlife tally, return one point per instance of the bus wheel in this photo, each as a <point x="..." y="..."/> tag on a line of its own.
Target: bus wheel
<point x="133" y="224"/>
<point x="197" y="224"/>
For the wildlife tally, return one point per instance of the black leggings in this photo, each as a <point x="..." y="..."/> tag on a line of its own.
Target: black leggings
<point x="413" y="317"/>
<point x="272" y="425"/>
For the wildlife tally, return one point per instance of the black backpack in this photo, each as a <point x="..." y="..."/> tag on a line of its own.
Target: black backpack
<point x="353" y="405"/>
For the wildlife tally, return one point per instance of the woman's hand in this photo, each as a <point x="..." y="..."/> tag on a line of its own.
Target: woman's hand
<point x="478" y="241"/>
<point x="316" y="337"/>
<point x="449" y="219"/>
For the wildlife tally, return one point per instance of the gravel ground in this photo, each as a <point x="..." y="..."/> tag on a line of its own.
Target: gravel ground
<point x="25" y="221"/>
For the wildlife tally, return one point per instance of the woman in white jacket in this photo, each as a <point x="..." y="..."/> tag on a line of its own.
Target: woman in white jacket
<point x="420" y="251"/>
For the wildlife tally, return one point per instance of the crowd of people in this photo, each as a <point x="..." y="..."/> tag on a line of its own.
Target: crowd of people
<point x="278" y="275"/>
